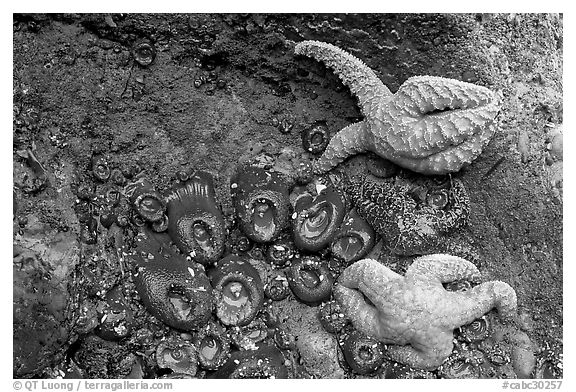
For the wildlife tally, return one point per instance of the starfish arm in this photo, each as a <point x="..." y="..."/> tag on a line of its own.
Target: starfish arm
<point x="363" y="316"/>
<point x="361" y="80"/>
<point x="452" y="158"/>
<point x="428" y="357"/>
<point x="433" y="114"/>
<point x="479" y="300"/>
<point x="443" y="268"/>
<point x="349" y="141"/>
<point x="369" y="273"/>
<point x="370" y="279"/>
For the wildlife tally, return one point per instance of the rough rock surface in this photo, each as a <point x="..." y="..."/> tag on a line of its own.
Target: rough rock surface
<point x="77" y="91"/>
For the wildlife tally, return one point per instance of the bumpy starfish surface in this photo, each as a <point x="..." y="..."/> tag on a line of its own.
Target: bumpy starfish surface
<point x="406" y="227"/>
<point x="431" y="125"/>
<point x="414" y="312"/>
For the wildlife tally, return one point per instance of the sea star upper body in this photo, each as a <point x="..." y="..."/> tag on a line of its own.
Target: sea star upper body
<point x="408" y="227"/>
<point x="414" y="312"/>
<point x="431" y="125"/>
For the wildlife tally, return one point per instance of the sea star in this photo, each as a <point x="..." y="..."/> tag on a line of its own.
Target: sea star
<point x="431" y="125"/>
<point x="414" y="311"/>
<point x="407" y="227"/>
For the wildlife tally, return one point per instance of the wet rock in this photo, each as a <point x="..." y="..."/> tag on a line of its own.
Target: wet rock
<point x="317" y="353"/>
<point x="522" y="355"/>
<point x="42" y="262"/>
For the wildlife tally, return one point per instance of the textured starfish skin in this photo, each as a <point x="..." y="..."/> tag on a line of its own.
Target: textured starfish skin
<point x="431" y="125"/>
<point x="407" y="229"/>
<point x="415" y="312"/>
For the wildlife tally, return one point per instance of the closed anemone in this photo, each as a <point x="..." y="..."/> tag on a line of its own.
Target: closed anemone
<point x="144" y="52"/>
<point x="332" y="317"/>
<point x="354" y="239"/>
<point x="177" y="355"/>
<point x="347" y="247"/>
<point x="150" y="204"/>
<point x="438" y="198"/>
<point x="213" y="346"/>
<point x="363" y="354"/>
<point x="277" y="287"/>
<point x="459" y="367"/>
<point x="146" y="201"/>
<point x="476" y="331"/>
<point x="310" y="280"/>
<point x="315" y="138"/>
<point x="246" y="337"/>
<point x="280" y="252"/>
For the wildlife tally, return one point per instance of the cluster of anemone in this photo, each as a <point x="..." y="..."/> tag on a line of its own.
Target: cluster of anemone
<point x="288" y="237"/>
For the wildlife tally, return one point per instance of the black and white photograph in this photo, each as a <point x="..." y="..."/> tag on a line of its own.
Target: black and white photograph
<point x="287" y="196"/>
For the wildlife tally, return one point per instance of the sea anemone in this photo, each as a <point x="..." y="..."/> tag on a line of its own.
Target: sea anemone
<point x="213" y="346"/>
<point x="317" y="219"/>
<point x="438" y="198"/>
<point x="459" y="366"/>
<point x="161" y="225"/>
<point x="332" y="317"/>
<point x="177" y="355"/>
<point x="239" y="292"/>
<point x="284" y="340"/>
<point x="476" y="331"/>
<point x="261" y="201"/>
<point x="243" y="243"/>
<point x="143" y="52"/>
<point x="195" y="223"/>
<point x="280" y="252"/>
<point x="310" y="279"/>
<point x="101" y="168"/>
<point x="277" y="287"/>
<point x="174" y="290"/>
<point x="247" y="337"/>
<point x="497" y="356"/>
<point x="146" y="200"/>
<point x="354" y="239"/>
<point x="315" y="138"/>
<point x="363" y="354"/>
